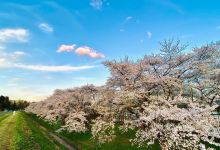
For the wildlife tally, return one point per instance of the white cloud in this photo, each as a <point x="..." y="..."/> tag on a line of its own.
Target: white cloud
<point x="13" y="60"/>
<point x="85" y="50"/>
<point x="97" y="4"/>
<point x="7" y="59"/>
<point x="66" y="48"/>
<point x="127" y="19"/>
<point x="149" y="34"/>
<point x="52" y="68"/>
<point x="2" y="61"/>
<point x="45" y="27"/>
<point x="20" y="53"/>
<point x="14" y="35"/>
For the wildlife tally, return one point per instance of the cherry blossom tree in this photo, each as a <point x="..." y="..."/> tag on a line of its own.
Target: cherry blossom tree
<point x="167" y="97"/>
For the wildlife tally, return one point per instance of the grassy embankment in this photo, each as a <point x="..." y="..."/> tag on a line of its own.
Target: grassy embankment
<point x="6" y="130"/>
<point x="20" y="132"/>
<point x="84" y="141"/>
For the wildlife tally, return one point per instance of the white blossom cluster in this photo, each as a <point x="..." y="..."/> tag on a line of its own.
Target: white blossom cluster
<point x="102" y="131"/>
<point x="175" y="127"/>
<point x="72" y="106"/>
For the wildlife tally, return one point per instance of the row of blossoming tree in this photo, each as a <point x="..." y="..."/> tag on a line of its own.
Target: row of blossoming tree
<point x="168" y="97"/>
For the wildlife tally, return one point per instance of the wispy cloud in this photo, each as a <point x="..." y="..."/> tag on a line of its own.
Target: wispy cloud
<point x="52" y="68"/>
<point x="218" y="27"/>
<point x="85" y="50"/>
<point x="7" y="59"/>
<point x="14" y="35"/>
<point x="149" y="34"/>
<point x="19" y="53"/>
<point x="66" y="48"/>
<point x="15" y="81"/>
<point x="45" y="27"/>
<point x="97" y="4"/>
<point x="127" y="19"/>
<point x="63" y="68"/>
<point x="2" y="61"/>
<point x="13" y="60"/>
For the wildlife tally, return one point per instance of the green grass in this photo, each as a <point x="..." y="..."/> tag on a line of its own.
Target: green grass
<point x="121" y="142"/>
<point x="2" y="113"/>
<point x="24" y="132"/>
<point x="4" y="116"/>
<point x="7" y="125"/>
<point x="20" y="132"/>
<point x="208" y="145"/>
<point x="84" y="141"/>
<point x="50" y="126"/>
<point x="29" y="136"/>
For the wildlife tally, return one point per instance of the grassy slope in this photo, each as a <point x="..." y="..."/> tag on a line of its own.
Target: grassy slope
<point x="2" y="113"/>
<point x="19" y="132"/>
<point x="4" y="116"/>
<point x="121" y="142"/>
<point x="6" y="131"/>
<point x="83" y="141"/>
<point x="29" y="136"/>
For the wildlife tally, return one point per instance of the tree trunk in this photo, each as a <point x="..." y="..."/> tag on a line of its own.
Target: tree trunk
<point x="211" y="102"/>
<point x="192" y="94"/>
<point x="163" y="144"/>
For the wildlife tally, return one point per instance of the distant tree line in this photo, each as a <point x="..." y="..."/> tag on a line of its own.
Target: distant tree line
<point x="7" y="104"/>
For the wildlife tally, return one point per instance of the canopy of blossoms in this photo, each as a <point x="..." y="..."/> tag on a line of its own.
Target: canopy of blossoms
<point x="168" y="97"/>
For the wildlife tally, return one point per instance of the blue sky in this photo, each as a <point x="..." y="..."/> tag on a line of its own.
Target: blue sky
<point x="48" y="44"/>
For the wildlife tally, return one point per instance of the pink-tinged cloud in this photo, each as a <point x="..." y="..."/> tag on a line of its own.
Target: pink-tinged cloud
<point x="84" y="50"/>
<point x="66" y="48"/>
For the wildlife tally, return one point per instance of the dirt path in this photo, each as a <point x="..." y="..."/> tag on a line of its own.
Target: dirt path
<point x="62" y="141"/>
<point x="6" y="132"/>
